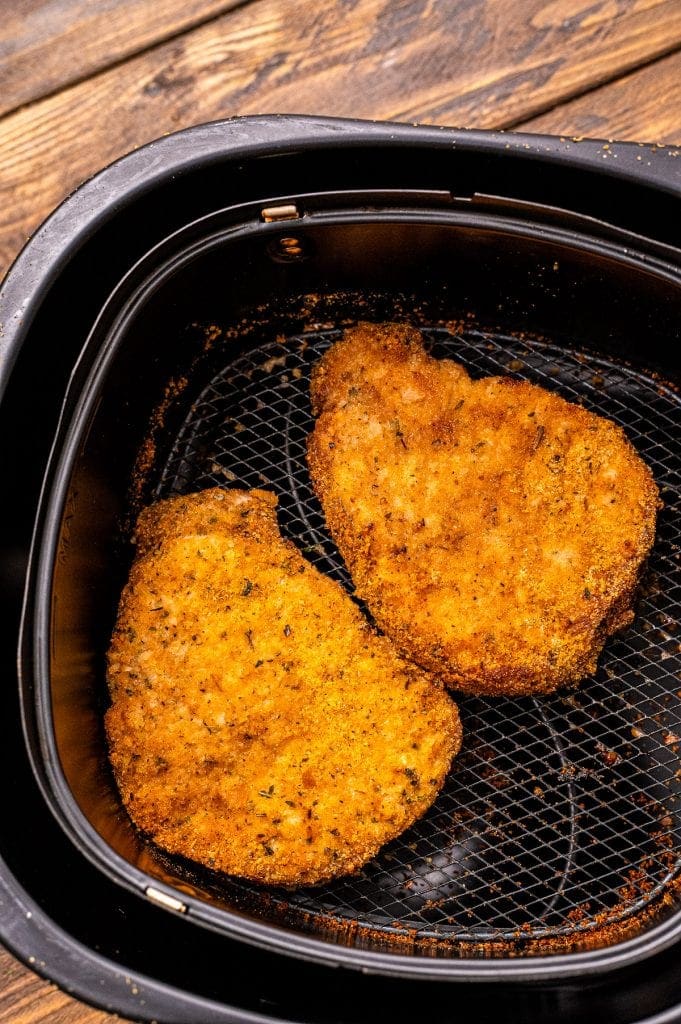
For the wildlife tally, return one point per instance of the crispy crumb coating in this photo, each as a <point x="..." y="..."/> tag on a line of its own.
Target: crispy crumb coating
<point x="496" y="532"/>
<point x="258" y="724"/>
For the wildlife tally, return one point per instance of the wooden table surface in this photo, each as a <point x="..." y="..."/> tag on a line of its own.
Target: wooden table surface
<point x="82" y="83"/>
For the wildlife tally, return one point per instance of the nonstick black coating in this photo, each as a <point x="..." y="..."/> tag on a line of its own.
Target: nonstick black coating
<point x="510" y="821"/>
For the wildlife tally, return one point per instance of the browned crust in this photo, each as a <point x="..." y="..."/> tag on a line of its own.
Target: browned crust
<point x="258" y="725"/>
<point x="496" y="532"/>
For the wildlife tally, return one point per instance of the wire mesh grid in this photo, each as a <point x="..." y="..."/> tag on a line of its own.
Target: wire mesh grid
<point x="560" y="814"/>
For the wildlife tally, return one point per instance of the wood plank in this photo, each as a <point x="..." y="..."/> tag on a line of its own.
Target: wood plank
<point x="645" y="105"/>
<point x="454" y="61"/>
<point x="47" y="44"/>
<point x="27" y="999"/>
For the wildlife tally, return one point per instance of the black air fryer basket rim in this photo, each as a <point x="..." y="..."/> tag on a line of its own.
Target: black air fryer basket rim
<point x="38" y="266"/>
<point x="85" y="974"/>
<point x="98" y="199"/>
<point x="76" y="413"/>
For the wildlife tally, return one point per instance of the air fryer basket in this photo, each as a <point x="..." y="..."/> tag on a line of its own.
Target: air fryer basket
<point x="559" y="830"/>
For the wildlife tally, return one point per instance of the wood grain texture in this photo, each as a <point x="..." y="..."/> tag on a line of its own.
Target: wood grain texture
<point x="46" y="44"/>
<point x="645" y="105"/>
<point x="438" y="61"/>
<point x="27" y="999"/>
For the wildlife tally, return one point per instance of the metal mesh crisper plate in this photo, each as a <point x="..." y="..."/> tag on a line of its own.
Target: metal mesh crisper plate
<point x="561" y="815"/>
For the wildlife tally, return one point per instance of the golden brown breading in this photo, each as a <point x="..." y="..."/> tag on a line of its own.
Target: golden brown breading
<point x="495" y="531"/>
<point x="258" y="724"/>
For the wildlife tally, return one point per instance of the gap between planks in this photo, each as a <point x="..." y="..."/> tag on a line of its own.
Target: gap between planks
<point x="48" y="49"/>
<point x="643" y="105"/>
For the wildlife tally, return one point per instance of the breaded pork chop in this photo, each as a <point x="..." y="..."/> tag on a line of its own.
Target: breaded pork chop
<point x="258" y="724"/>
<point x="495" y="531"/>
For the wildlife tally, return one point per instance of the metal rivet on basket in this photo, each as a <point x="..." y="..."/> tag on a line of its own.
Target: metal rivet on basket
<point x="164" y="899"/>
<point x="289" y="211"/>
<point x="287" y="249"/>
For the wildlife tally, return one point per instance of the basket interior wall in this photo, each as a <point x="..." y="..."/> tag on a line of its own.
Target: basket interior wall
<point x="560" y="821"/>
